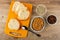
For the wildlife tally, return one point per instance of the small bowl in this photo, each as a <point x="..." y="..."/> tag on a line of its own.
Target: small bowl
<point x="47" y="19"/>
<point x="32" y="22"/>
<point x="45" y="11"/>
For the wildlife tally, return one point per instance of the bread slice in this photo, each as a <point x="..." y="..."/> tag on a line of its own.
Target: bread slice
<point x="21" y="10"/>
<point x="24" y="14"/>
<point x="13" y="24"/>
<point x="17" y="6"/>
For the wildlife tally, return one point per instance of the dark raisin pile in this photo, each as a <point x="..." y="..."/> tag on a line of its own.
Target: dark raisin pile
<point x="51" y="19"/>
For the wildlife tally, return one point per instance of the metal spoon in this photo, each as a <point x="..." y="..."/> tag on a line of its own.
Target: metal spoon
<point x="24" y="27"/>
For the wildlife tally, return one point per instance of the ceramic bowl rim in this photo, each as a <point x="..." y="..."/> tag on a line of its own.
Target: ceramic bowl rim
<point x="32" y="21"/>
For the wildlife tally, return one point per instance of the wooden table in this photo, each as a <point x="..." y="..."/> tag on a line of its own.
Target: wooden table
<point x="51" y="32"/>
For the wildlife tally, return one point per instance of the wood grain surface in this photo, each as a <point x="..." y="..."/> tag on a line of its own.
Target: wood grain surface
<point x="51" y="32"/>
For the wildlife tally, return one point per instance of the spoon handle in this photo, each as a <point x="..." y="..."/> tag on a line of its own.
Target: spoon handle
<point x="31" y="31"/>
<point x="35" y="33"/>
